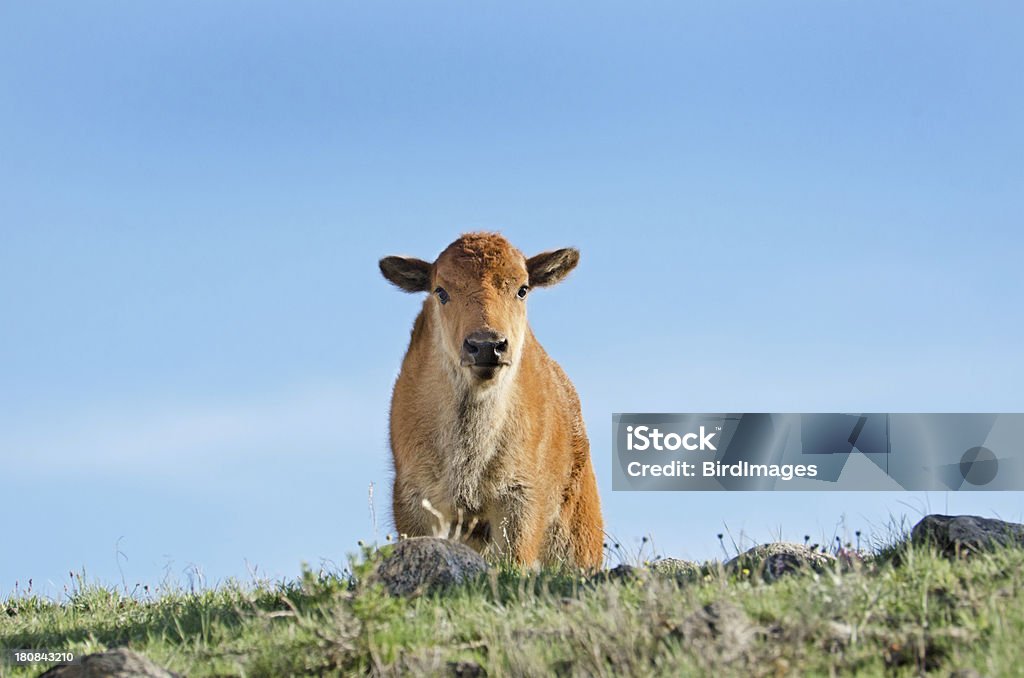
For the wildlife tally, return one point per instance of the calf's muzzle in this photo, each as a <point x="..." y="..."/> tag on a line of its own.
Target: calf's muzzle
<point x="485" y="349"/>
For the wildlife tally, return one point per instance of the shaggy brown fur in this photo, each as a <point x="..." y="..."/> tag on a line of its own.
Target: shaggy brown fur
<point x="497" y="448"/>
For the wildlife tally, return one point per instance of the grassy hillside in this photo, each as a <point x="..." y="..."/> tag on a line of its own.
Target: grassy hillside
<point x="927" y="614"/>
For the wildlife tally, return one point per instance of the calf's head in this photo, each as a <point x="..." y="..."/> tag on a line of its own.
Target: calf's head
<point x="478" y="289"/>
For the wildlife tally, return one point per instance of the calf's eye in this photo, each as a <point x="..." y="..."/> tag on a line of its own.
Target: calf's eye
<point x="442" y="295"/>
<point x="522" y="291"/>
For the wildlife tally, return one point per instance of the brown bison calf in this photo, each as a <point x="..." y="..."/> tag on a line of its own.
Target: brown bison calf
<point x="486" y="432"/>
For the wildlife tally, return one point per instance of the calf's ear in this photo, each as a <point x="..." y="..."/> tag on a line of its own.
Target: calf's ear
<point x="548" y="268"/>
<point x="408" y="273"/>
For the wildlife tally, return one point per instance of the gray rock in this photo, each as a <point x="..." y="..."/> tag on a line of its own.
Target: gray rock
<point x="774" y="560"/>
<point x="963" y="535"/>
<point x="117" y="663"/>
<point x="722" y="627"/>
<point x="838" y="632"/>
<point x="466" y="669"/>
<point x="429" y="564"/>
<point x="620" y="572"/>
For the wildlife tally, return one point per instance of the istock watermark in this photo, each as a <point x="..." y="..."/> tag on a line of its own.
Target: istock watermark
<point x="642" y="437"/>
<point x="818" y="451"/>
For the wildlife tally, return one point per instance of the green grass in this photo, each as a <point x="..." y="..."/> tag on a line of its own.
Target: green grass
<point x="925" y="615"/>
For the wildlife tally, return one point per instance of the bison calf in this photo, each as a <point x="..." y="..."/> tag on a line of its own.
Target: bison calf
<point x="484" y="425"/>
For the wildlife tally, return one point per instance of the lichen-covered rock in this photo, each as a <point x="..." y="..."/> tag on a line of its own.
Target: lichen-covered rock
<point x="428" y="564"/>
<point x="118" y="663"/>
<point x="964" y="535"/>
<point x="774" y="560"/>
<point x="682" y="570"/>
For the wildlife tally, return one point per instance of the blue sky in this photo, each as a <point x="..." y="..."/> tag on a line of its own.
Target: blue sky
<point x="784" y="207"/>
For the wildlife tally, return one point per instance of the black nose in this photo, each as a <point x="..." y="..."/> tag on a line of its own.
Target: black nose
<point x="485" y="348"/>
